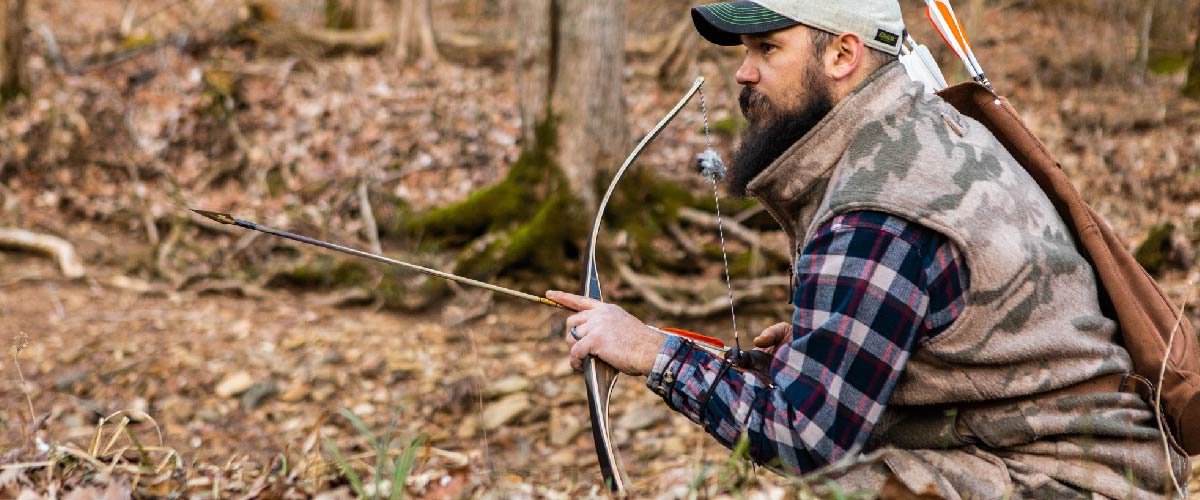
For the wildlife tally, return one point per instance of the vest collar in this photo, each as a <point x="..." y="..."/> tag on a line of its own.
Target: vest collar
<point x="792" y="188"/>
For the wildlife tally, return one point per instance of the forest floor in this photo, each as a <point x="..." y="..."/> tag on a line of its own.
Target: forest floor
<point x="234" y="386"/>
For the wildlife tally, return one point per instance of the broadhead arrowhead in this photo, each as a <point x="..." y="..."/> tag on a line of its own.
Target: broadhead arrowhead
<point x="217" y="216"/>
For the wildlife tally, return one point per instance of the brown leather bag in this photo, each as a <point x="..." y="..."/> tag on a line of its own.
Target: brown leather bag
<point x="1147" y="317"/>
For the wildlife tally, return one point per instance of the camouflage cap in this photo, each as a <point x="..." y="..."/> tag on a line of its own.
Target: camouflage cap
<point x="878" y="22"/>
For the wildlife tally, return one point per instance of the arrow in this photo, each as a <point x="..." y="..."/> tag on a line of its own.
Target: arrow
<point x="708" y="343"/>
<point x="230" y="220"/>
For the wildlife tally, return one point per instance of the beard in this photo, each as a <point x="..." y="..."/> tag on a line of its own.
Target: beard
<point x="773" y="131"/>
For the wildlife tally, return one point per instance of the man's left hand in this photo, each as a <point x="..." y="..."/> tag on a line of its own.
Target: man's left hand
<point x="608" y="332"/>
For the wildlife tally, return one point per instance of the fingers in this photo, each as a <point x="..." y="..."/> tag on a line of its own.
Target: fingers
<point x="773" y="336"/>
<point x="580" y="350"/>
<point x="576" y="302"/>
<point x="575" y="334"/>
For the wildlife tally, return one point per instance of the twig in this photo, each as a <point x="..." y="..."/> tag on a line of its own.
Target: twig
<point x="748" y="213"/>
<point x="1162" y="371"/>
<point x="689" y="245"/>
<point x="479" y="378"/>
<point x="368" y="216"/>
<point x="19" y="345"/>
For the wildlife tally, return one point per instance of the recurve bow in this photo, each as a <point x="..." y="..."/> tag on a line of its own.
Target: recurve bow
<point x="599" y="376"/>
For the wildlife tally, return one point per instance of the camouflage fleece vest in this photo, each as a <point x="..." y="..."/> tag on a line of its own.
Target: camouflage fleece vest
<point x="1032" y="322"/>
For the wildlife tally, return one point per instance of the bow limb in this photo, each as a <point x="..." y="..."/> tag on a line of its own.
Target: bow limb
<point x="600" y="377"/>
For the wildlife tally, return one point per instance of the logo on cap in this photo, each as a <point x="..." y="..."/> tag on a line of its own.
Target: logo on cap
<point x="887" y="37"/>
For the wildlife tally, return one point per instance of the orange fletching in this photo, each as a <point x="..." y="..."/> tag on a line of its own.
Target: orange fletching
<point x="929" y="14"/>
<point x="955" y="26"/>
<point x="696" y="337"/>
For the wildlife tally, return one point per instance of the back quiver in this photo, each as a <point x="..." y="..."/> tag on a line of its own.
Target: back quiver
<point x="1129" y="295"/>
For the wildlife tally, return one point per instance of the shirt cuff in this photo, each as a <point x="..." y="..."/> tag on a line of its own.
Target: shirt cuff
<point x="667" y="364"/>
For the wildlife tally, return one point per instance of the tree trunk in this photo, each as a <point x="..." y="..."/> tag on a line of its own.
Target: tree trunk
<point x="12" y="50"/>
<point x="1192" y="88"/>
<point x="533" y="63"/>
<point x="587" y="102"/>
<point x="412" y="31"/>
<point x="570" y="76"/>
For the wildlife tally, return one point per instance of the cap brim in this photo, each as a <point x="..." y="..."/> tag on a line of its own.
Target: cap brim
<point x="724" y="23"/>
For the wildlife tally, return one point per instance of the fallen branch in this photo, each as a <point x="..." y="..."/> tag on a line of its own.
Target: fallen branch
<point x="61" y="250"/>
<point x="734" y="229"/>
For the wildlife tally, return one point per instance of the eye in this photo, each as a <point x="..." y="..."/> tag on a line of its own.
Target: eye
<point x="767" y="48"/>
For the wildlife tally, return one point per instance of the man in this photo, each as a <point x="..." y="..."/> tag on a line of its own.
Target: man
<point x="945" y="322"/>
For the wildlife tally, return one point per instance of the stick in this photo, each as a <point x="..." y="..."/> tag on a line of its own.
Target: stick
<point x="56" y="247"/>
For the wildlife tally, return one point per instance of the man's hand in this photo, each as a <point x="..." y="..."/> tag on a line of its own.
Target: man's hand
<point x="608" y="332"/>
<point x="770" y="338"/>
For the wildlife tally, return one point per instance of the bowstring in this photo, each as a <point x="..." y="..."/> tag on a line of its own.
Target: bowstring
<point x="720" y="225"/>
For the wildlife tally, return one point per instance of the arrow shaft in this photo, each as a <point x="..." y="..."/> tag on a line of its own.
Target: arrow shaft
<point x="396" y="263"/>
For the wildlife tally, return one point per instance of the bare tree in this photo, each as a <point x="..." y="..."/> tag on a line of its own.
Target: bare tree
<point x="570" y="78"/>
<point x="12" y="51"/>
<point x="587" y="101"/>
<point x="412" y="30"/>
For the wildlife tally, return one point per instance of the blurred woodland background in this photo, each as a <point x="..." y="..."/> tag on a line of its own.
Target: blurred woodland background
<point x="467" y="135"/>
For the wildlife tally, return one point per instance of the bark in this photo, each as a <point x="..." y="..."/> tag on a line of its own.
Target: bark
<point x="587" y="100"/>
<point x="412" y="31"/>
<point x="1192" y="88"/>
<point x="533" y="63"/>
<point x="12" y="52"/>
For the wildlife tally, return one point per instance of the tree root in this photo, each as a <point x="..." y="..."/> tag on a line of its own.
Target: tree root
<point x="734" y="229"/>
<point x="61" y="250"/>
<point x="651" y="289"/>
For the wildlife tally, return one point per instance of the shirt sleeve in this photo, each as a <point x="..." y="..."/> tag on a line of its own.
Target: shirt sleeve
<point x="865" y="288"/>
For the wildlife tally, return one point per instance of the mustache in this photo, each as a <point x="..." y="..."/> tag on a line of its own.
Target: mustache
<point x="753" y="103"/>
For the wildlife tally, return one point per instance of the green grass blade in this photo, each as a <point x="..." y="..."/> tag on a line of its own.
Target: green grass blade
<point x="404" y="465"/>
<point x="355" y="482"/>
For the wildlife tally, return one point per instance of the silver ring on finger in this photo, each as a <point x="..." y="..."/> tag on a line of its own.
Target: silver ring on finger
<point x="575" y="334"/>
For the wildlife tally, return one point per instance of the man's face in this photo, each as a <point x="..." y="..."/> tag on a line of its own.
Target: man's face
<point x="785" y="94"/>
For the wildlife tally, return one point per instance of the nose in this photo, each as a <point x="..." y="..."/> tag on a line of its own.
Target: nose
<point x="747" y="74"/>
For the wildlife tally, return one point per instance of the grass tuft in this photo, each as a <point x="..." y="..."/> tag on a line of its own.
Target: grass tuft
<point x="391" y="469"/>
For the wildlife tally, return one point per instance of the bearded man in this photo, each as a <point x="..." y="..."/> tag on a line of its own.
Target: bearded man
<point x="946" y="325"/>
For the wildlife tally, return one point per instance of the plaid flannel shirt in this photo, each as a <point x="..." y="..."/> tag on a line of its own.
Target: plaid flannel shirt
<point x="871" y="288"/>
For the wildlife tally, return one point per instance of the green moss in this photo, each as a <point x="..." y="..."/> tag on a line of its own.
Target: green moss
<point x="1154" y="253"/>
<point x="540" y="243"/>
<point x="1169" y="63"/>
<point x="276" y="184"/>
<point x="512" y="199"/>
<point x="322" y="271"/>
<point x="137" y="41"/>
<point x="397" y="292"/>
<point x="338" y="16"/>
<point x="730" y="126"/>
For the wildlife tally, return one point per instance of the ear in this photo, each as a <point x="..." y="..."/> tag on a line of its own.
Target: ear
<point x="844" y="56"/>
